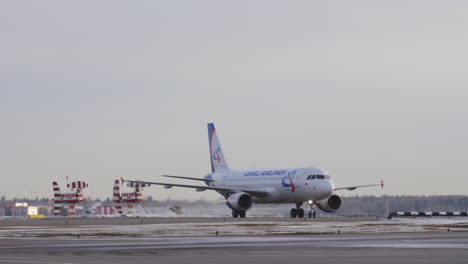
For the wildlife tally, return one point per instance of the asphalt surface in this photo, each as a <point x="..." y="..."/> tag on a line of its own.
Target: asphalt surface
<point x="445" y="247"/>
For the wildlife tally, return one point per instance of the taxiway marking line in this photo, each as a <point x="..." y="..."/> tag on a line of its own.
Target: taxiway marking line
<point x="35" y="262"/>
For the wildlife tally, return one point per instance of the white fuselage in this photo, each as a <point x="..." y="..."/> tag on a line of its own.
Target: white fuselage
<point x="283" y="185"/>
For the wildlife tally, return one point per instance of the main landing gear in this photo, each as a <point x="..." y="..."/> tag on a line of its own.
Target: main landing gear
<point x="236" y="213"/>
<point x="298" y="211"/>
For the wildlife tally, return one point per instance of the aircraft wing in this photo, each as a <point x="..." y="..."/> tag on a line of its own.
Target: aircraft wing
<point x="187" y="178"/>
<point x="352" y="188"/>
<point x="225" y="190"/>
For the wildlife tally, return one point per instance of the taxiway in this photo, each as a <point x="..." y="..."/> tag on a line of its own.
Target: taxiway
<point x="336" y="248"/>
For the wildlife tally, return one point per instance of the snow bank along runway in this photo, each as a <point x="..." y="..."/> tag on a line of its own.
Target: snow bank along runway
<point x="321" y="248"/>
<point x="200" y="226"/>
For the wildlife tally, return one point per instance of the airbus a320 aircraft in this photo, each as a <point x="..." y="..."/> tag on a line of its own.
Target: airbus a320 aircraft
<point x="242" y="188"/>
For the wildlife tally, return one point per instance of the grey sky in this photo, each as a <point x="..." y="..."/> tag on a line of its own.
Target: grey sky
<point x="367" y="90"/>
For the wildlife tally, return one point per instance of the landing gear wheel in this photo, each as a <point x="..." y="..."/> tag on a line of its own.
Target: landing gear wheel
<point x="312" y="214"/>
<point x="312" y="210"/>
<point x="242" y="214"/>
<point x="300" y="213"/>
<point x="293" y="212"/>
<point x="235" y="214"/>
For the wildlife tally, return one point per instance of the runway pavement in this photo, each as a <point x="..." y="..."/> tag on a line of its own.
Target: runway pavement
<point x="445" y="247"/>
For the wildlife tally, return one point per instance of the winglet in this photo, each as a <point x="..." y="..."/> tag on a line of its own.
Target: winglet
<point x="381" y="183"/>
<point x="122" y="181"/>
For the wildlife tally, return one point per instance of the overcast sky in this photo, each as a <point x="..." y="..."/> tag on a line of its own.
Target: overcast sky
<point x="366" y="90"/>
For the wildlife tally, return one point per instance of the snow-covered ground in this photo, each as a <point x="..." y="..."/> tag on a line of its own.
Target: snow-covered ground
<point x="209" y="209"/>
<point x="244" y="227"/>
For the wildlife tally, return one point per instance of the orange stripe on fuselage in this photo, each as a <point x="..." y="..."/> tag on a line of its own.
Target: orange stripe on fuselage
<point x="293" y="188"/>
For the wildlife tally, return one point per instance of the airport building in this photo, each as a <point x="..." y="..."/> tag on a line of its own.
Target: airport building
<point x="105" y="210"/>
<point x="18" y="210"/>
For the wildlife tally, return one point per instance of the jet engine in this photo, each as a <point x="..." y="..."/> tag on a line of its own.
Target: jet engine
<point x="239" y="201"/>
<point x="331" y="204"/>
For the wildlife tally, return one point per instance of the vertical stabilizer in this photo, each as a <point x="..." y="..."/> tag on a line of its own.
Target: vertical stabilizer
<point x="57" y="199"/>
<point x="116" y="191"/>
<point x="218" y="163"/>
<point x="116" y="197"/>
<point x="57" y="193"/>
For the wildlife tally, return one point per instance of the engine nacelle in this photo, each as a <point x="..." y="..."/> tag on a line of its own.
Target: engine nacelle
<point x="331" y="204"/>
<point x="239" y="201"/>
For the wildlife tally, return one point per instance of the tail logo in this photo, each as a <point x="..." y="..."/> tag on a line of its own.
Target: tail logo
<point x="289" y="178"/>
<point x="216" y="156"/>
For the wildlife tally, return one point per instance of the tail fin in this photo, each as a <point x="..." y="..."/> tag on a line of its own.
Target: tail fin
<point x="116" y="191"/>
<point x="116" y="197"/>
<point x="57" y="193"/>
<point x="57" y="199"/>
<point x="218" y="163"/>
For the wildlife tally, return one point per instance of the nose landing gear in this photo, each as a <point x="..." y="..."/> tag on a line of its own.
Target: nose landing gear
<point x="312" y="213"/>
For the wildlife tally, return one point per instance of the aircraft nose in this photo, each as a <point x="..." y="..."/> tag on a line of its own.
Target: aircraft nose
<point x="326" y="188"/>
<point x="322" y="188"/>
<point x="330" y="186"/>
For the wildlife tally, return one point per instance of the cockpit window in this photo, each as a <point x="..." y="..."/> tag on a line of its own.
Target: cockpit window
<point x="320" y="177"/>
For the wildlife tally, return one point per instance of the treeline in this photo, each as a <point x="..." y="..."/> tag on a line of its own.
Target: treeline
<point x="366" y="205"/>
<point x="378" y="205"/>
<point x="363" y="205"/>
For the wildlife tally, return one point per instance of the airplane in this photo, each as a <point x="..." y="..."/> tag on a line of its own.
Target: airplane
<point x="243" y="188"/>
